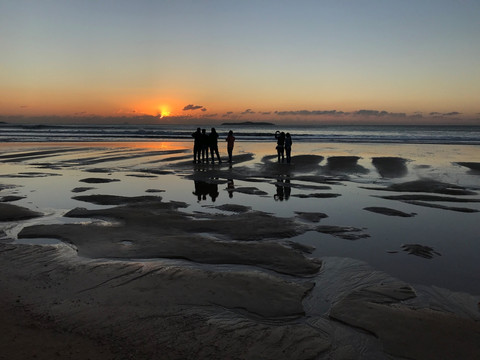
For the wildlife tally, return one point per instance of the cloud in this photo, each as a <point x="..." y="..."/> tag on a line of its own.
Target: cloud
<point x="310" y="113"/>
<point x="248" y="111"/>
<point x="266" y="112"/>
<point x="193" y="107"/>
<point x="378" y="113"/>
<point x="453" y="113"/>
<point x="228" y="113"/>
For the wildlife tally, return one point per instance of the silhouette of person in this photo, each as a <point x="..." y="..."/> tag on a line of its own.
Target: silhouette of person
<point x="280" y="136"/>
<point x="230" y="188"/>
<point x="288" y="188"/>
<point x="288" y="147"/>
<point x="197" y="145"/>
<point x="213" y="191"/>
<point x="213" y="144"/>
<point x="230" y="142"/>
<point x="202" y="189"/>
<point x="280" y="191"/>
<point x="204" y="146"/>
<point x="283" y="189"/>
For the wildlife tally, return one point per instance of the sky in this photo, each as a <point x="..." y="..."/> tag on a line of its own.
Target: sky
<point x="338" y="61"/>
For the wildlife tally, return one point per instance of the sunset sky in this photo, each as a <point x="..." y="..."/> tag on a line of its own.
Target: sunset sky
<point x="371" y="61"/>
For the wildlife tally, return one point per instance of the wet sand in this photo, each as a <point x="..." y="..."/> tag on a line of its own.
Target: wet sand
<point x="160" y="258"/>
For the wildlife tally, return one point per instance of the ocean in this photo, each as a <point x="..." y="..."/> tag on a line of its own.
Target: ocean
<point x="390" y="134"/>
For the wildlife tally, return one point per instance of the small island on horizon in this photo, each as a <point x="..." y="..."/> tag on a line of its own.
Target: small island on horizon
<point x="250" y="123"/>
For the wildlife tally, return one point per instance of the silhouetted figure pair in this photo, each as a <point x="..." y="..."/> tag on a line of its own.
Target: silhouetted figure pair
<point x="284" y="146"/>
<point x="202" y="189"/>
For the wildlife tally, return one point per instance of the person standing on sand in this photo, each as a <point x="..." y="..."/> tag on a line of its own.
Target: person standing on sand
<point x="213" y="143"/>
<point x="288" y="147"/>
<point x="280" y="136"/>
<point x="197" y="145"/>
<point x="204" y="146"/>
<point x="230" y="142"/>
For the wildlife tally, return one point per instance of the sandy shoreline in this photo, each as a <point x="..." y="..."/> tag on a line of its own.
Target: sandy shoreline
<point x="146" y="255"/>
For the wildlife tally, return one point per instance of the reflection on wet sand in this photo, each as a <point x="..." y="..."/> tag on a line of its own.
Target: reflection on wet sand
<point x="202" y="189"/>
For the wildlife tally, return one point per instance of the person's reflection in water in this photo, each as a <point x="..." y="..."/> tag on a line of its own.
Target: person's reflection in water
<point x="283" y="189"/>
<point x="230" y="188"/>
<point x="202" y="189"/>
<point x="287" y="189"/>
<point x="213" y="191"/>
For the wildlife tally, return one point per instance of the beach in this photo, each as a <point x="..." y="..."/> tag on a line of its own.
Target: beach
<point x="129" y="250"/>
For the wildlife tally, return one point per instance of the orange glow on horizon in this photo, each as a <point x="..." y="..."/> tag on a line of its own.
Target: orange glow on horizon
<point x="164" y="110"/>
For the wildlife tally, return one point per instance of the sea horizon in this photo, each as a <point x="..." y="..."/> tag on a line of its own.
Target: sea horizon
<point x="342" y="133"/>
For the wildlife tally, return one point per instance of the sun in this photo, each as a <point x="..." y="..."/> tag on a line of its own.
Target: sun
<point x="164" y="111"/>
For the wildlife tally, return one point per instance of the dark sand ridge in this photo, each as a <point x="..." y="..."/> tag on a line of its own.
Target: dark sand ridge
<point x="390" y="167"/>
<point x="161" y="310"/>
<point x="353" y="292"/>
<point x="388" y="211"/>
<point x="473" y="166"/>
<point x="427" y="186"/>
<point x="406" y="332"/>
<point x="82" y="189"/>
<point x="29" y="174"/>
<point x="158" y="230"/>
<point x="31" y="155"/>
<point x="175" y="311"/>
<point x="9" y="212"/>
<point x="344" y="165"/>
<point x="11" y="198"/>
<point x="85" y="158"/>
<point x="127" y="156"/>
<point x="430" y="186"/>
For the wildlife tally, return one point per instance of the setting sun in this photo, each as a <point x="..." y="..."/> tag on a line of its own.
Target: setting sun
<point x="164" y="111"/>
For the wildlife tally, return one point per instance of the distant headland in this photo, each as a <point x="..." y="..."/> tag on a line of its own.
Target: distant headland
<point x="249" y="123"/>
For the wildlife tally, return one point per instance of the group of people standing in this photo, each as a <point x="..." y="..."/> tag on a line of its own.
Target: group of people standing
<point x="284" y="146"/>
<point x="205" y="143"/>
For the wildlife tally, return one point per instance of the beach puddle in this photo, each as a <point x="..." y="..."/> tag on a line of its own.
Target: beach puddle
<point x="39" y="241"/>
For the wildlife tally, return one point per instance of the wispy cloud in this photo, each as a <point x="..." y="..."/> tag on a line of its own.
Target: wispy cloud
<point x="194" y="107"/>
<point x="378" y="113"/>
<point x="453" y="113"/>
<point x="248" y="111"/>
<point x="309" y="112"/>
<point x="228" y="113"/>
